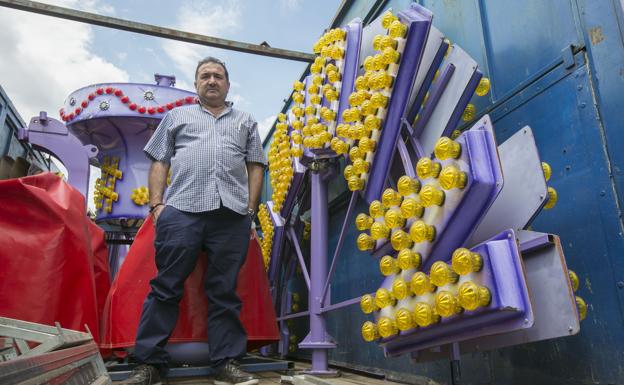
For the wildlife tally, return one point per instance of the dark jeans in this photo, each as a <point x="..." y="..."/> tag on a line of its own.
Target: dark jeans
<point x="224" y="235"/>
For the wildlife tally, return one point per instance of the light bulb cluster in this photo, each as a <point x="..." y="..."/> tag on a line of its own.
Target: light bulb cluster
<point x="369" y="101"/>
<point x="140" y="195"/>
<point x="418" y="300"/>
<point x="553" y="197"/>
<point x="297" y="119"/>
<point x="105" y="194"/>
<point x="470" y="112"/>
<point x="323" y="92"/>
<point x="280" y="163"/>
<point x="266" y="241"/>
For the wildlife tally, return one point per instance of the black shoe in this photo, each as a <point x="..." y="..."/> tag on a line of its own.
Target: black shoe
<point x="143" y="375"/>
<point x="231" y="374"/>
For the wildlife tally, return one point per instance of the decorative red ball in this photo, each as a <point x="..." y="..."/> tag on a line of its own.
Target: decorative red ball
<point x="160" y="109"/>
<point x="189" y="99"/>
<point x="125" y="99"/>
<point x="170" y="106"/>
<point x="84" y="104"/>
<point x="71" y="116"/>
<point x="179" y="102"/>
<point x="151" y="110"/>
<point x="118" y="93"/>
<point x="142" y="110"/>
<point x="99" y="91"/>
<point x="132" y="106"/>
<point x="91" y="96"/>
<point x="78" y="110"/>
<point x="109" y="90"/>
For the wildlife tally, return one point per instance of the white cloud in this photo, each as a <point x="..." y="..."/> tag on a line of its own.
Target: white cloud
<point x="47" y="58"/>
<point x="265" y="125"/>
<point x="202" y="17"/>
<point x="291" y="5"/>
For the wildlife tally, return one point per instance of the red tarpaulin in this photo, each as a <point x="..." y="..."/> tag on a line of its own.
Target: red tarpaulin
<point x="125" y="300"/>
<point x="53" y="259"/>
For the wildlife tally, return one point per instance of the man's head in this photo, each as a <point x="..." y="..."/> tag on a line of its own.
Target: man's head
<point x="212" y="82"/>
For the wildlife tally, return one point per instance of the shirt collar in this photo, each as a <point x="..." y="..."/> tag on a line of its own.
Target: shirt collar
<point x="227" y="110"/>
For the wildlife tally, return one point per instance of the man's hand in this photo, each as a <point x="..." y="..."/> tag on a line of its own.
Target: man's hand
<point x="156" y="213"/>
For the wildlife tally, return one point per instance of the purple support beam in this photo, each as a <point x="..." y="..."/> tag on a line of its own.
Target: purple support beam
<point x="51" y="136"/>
<point x="318" y="339"/>
<point x="293" y="239"/>
<point x="434" y="97"/>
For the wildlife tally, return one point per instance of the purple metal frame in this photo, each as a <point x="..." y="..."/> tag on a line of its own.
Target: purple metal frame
<point x="434" y="98"/>
<point x="418" y="20"/>
<point x="510" y="307"/>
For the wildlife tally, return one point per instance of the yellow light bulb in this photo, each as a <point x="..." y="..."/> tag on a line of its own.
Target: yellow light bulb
<point x="424" y="314"/>
<point x="397" y="29"/>
<point x="363" y="222"/>
<point x="455" y="134"/>
<point x="361" y="83"/>
<point x="407" y="259"/>
<point x="421" y="284"/>
<point x="376" y="209"/>
<point x="384" y="298"/>
<point x="333" y="76"/>
<point x="348" y="172"/>
<point x="552" y="198"/>
<point x="400" y="239"/>
<point x="355" y="153"/>
<point x="447" y="148"/>
<point x="378" y="62"/>
<point x="426" y="168"/>
<point x="310" y="110"/>
<point x="365" y="242"/>
<point x="296" y="138"/>
<point x="355" y="99"/>
<point x="281" y="126"/>
<point x="297" y="125"/>
<point x="367" y="144"/>
<point x="355" y="183"/>
<point x="371" y="122"/>
<point x="400" y="289"/>
<point x="367" y="304"/>
<point x="574" y="280"/>
<point x="297" y="111"/>
<point x="407" y="185"/>
<point x="394" y="219"/>
<point x="410" y="208"/>
<point x="329" y="115"/>
<point x="369" y="63"/>
<point x="313" y="89"/>
<point x="379" y="230"/>
<point x="472" y="296"/>
<point x="387" y="327"/>
<point x="298" y="86"/>
<point x="547" y="171"/>
<point x="315" y="68"/>
<point x="386" y="19"/>
<point x="360" y="166"/>
<point x="404" y="320"/>
<point x="390" y="198"/>
<point x="367" y="108"/>
<point x="388" y="265"/>
<point x="379" y="100"/>
<point x="451" y="177"/>
<point x="430" y="196"/>
<point x="469" y="113"/>
<point x="446" y="304"/>
<point x="390" y="56"/>
<point x="582" y="308"/>
<point x="483" y="88"/>
<point x="281" y="117"/>
<point x="388" y="41"/>
<point x="420" y="232"/>
<point x="369" y="331"/>
<point x="465" y="261"/>
<point x="441" y="274"/>
<point x="377" y="42"/>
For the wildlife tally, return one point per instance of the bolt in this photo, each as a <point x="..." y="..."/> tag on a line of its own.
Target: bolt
<point x="602" y="193"/>
<point x="620" y="285"/>
<point x="570" y="329"/>
<point x="526" y="321"/>
<point x="579" y="87"/>
<point x="582" y="105"/>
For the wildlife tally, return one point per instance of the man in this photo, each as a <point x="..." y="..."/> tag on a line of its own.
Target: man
<point x="217" y="163"/>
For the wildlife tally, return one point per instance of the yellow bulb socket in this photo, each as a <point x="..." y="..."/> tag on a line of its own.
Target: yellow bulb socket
<point x="424" y="314"/>
<point x="446" y="304"/>
<point x="431" y="196"/>
<point x="447" y="148"/>
<point x="388" y="266"/>
<point x="367" y="304"/>
<point x="390" y="198"/>
<point x="472" y="296"/>
<point x="379" y="230"/>
<point x="384" y="298"/>
<point x="404" y="320"/>
<point x="441" y="274"/>
<point x="427" y="168"/>
<point x="574" y="280"/>
<point x="421" y="232"/>
<point x="407" y="185"/>
<point x="581" y="307"/>
<point x="552" y="198"/>
<point x="410" y="208"/>
<point x="451" y="177"/>
<point x="407" y="259"/>
<point x="465" y="261"/>
<point x="400" y="240"/>
<point x="547" y="171"/>
<point x="400" y="289"/>
<point x="369" y="331"/>
<point x="365" y="242"/>
<point x="421" y="284"/>
<point x="376" y="209"/>
<point x="387" y="327"/>
<point x="363" y="222"/>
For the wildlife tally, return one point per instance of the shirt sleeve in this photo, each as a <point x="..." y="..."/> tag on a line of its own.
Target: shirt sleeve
<point x="255" y="154"/>
<point x="161" y="145"/>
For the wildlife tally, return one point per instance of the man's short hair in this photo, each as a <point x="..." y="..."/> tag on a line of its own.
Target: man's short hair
<point x="211" y="59"/>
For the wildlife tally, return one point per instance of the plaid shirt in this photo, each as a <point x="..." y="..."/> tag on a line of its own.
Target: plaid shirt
<point x="208" y="157"/>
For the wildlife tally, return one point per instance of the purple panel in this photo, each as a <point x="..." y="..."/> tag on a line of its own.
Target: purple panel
<point x="463" y="102"/>
<point x="510" y="307"/>
<point x="434" y="98"/>
<point x="418" y="20"/>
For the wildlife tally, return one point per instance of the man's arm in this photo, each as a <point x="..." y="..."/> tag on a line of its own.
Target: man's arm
<point x="255" y="175"/>
<point x="156" y="182"/>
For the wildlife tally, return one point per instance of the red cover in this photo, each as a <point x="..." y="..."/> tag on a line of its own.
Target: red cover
<point x="125" y="300"/>
<point x="53" y="259"/>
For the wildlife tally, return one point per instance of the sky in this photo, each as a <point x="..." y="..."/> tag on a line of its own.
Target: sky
<point x="44" y="59"/>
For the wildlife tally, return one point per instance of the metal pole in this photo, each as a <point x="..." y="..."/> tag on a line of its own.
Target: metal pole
<point x="153" y="30"/>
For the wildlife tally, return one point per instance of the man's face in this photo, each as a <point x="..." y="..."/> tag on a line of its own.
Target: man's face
<point x="211" y="84"/>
